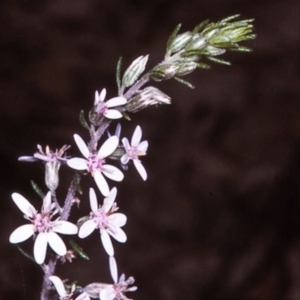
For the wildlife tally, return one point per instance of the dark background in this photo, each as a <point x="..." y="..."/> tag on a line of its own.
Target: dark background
<point x="218" y="217"/>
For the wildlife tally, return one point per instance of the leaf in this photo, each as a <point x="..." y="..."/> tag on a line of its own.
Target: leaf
<point x="173" y="35"/>
<point x="78" y="250"/>
<point x="118" y="73"/>
<point x="188" y="84"/>
<point x="37" y="189"/>
<point x="219" y="61"/>
<point x="26" y="254"/>
<point x="76" y="182"/>
<point x="82" y="120"/>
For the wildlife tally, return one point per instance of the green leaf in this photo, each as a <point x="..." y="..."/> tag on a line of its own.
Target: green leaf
<point x="78" y="250"/>
<point x="203" y="66"/>
<point x="200" y="26"/>
<point x="118" y="73"/>
<point x="76" y="182"/>
<point x="26" y="254"/>
<point x="82" y="120"/>
<point x="37" y="189"/>
<point x="188" y="84"/>
<point x="219" y="61"/>
<point x="173" y="35"/>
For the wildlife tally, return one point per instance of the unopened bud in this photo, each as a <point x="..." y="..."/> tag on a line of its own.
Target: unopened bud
<point x="180" y="41"/>
<point x="51" y="174"/>
<point x="186" y="68"/>
<point x="164" y="72"/>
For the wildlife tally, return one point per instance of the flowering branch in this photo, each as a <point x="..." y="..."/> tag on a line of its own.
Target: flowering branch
<point x="184" y="53"/>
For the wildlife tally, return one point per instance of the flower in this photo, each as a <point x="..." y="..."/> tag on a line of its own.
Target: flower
<point x="136" y="149"/>
<point x="42" y="225"/>
<point x="104" y="108"/>
<point x="52" y="160"/>
<point x="106" y="220"/>
<point x="116" y="291"/>
<point x="63" y="294"/>
<point x="95" y="163"/>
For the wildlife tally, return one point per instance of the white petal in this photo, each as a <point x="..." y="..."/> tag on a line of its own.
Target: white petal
<point x="140" y="168"/>
<point x="65" y="227"/>
<point x="116" y="101"/>
<point x="82" y="146"/>
<point x="27" y="158"/>
<point x="112" y="173"/>
<point x="143" y="147"/>
<point x="109" y="200"/>
<point x="58" y="285"/>
<point x="108" y="293"/>
<point x="118" y="234"/>
<point x="77" y="163"/>
<point x="21" y="234"/>
<point x="40" y="247"/>
<point x="136" y="137"/>
<point x="113" y="114"/>
<point x="47" y="203"/>
<point x="56" y="243"/>
<point x="24" y="205"/>
<point x="101" y="183"/>
<point x="83" y="296"/>
<point x="106" y="242"/>
<point x="125" y="159"/>
<point x="118" y="130"/>
<point x="102" y="95"/>
<point x="117" y="219"/>
<point x="87" y="228"/>
<point x="93" y="200"/>
<point x="108" y="147"/>
<point x="113" y="268"/>
<point x="97" y="98"/>
<point x="126" y="144"/>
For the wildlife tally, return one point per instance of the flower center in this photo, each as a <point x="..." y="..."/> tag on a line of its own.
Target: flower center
<point x="132" y="152"/>
<point x="101" y="108"/>
<point x="100" y="217"/>
<point x="42" y="223"/>
<point x="94" y="163"/>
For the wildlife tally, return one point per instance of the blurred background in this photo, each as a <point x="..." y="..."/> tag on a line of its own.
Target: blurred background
<point x="219" y="216"/>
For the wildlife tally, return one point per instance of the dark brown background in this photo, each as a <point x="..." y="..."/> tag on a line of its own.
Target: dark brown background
<point x="218" y="217"/>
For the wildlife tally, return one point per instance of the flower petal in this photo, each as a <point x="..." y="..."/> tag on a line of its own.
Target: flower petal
<point x="102" y="95"/>
<point x="118" y="234"/>
<point x="81" y="146"/>
<point x="87" y="228"/>
<point x="56" y="243"/>
<point x="116" y="101"/>
<point x="59" y="286"/>
<point x="108" y="293"/>
<point x="93" y="200"/>
<point x="117" y="219"/>
<point x="21" y="234"/>
<point x="106" y="242"/>
<point x="101" y="183"/>
<point x="77" y="163"/>
<point x="126" y="144"/>
<point x="40" y="247"/>
<point x="113" y="268"/>
<point x="27" y="158"/>
<point x="113" y="114"/>
<point x="108" y="147"/>
<point x="143" y="147"/>
<point x="125" y="159"/>
<point x="140" y="168"/>
<point x="136" y="137"/>
<point x="65" y="227"/>
<point x="24" y="205"/>
<point x="112" y="173"/>
<point x="109" y="200"/>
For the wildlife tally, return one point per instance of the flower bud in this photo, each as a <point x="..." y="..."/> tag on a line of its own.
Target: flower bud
<point x="180" y="41"/>
<point x="186" y="68"/>
<point x="51" y="174"/>
<point x="198" y="42"/>
<point x="164" y="72"/>
<point x="136" y="68"/>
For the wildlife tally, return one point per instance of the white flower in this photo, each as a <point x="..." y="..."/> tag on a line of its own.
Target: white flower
<point x="95" y="163"/>
<point x="63" y="294"/>
<point x="136" y="149"/>
<point x="41" y="225"/>
<point x="106" y="220"/>
<point x="116" y="291"/>
<point x="104" y="108"/>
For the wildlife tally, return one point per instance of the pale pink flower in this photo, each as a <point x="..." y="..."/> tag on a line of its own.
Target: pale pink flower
<point x="135" y="150"/>
<point x="105" y="108"/>
<point x="116" y="291"/>
<point x="41" y="225"/>
<point x="105" y="220"/>
<point x="63" y="294"/>
<point x="95" y="162"/>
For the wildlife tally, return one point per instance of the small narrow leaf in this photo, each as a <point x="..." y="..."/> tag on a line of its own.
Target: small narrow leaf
<point x="82" y="120"/>
<point x="118" y="73"/>
<point x="76" y="182"/>
<point x="203" y="66"/>
<point x="188" y="84"/>
<point x="37" y="189"/>
<point x="173" y="35"/>
<point x="219" y="61"/>
<point x="200" y="26"/>
<point x="78" y="250"/>
<point x="26" y="254"/>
